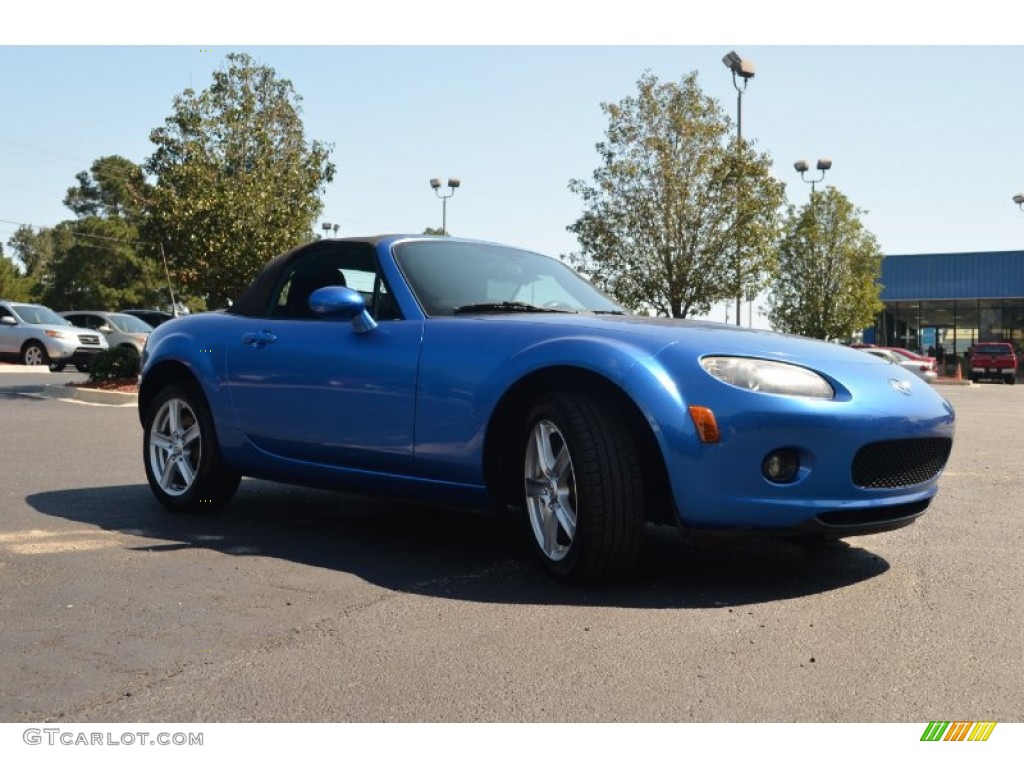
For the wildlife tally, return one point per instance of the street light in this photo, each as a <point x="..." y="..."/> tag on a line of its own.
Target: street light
<point x="1019" y="200"/>
<point x="453" y="184"/>
<point x="823" y="165"/>
<point x="744" y="69"/>
<point x="326" y="227"/>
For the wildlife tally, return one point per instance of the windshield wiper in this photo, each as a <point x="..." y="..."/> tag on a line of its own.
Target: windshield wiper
<point x="505" y="306"/>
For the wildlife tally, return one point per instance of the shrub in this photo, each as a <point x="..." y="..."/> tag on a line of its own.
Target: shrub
<point x="116" y="363"/>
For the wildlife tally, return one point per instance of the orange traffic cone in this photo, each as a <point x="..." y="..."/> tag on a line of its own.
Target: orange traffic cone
<point x="957" y="376"/>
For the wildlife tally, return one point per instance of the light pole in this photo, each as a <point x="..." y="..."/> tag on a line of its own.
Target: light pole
<point x="744" y="69"/>
<point x="1019" y="200"/>
<point x="453" y="184"/>
<point x="823" y="165"/>
<point x="327" y="227"/>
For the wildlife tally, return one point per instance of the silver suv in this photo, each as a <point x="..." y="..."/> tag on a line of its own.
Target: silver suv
<point x="120" y="329"/>
<point x="39" y="336"/>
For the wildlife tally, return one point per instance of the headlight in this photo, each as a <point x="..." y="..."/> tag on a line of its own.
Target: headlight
<point x="768" y="376"/>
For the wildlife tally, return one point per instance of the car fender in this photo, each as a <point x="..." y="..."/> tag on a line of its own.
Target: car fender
<point x="456" y="401"/>
<point x="174" y="347"/>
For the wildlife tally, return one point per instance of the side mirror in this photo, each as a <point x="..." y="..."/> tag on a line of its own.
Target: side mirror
<point x="337" y="301"/>
<point x="105" y="329"/>
<point x="8" y="320"/>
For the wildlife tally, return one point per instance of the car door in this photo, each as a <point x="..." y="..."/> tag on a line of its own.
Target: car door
<point x="9" y="337"/>
<point x="319" y="390"/>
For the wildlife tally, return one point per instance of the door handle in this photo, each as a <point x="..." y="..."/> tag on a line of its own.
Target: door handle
<point x="258" y="339"/>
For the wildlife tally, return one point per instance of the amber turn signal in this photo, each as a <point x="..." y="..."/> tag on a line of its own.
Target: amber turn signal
<point x="704" y="421"/>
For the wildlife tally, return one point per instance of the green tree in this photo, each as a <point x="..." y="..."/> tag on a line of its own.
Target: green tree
<point x="34" y="249"/>
<point x="433" y="231"/>
<point x="236" y="182"/>
<point x="96" y="261"/>
<point x="113" y="188"/>
<point x="679" y="215"/>
<point x="829" y="264"/>
<point x="97" y="266"/>
<point x="14" y="285"/>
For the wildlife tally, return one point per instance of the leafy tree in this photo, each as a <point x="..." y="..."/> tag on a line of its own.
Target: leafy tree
<point x="96" y="261"/>
<point x="96" y="266"/>
<point x="679" y="215"/>
<point x="113" y="188"/>
<point x="14" y="285"/>
<point x="34" y="248"/>
<point x="433" y="231"/>
<point x="829" y="264"/>
<point x="236" y="182"/>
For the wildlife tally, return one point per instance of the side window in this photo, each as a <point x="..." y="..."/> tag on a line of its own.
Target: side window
<point x="301" y="281"/>
<point x="319" y="270"/>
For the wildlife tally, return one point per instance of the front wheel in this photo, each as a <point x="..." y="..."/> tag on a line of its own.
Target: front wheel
<point x="180" y="451"/>
<point x="583" y="488"/>
<point x="34" y="353"/>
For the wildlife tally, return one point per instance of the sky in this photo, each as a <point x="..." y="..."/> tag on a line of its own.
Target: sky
<point x="921" y="128"/>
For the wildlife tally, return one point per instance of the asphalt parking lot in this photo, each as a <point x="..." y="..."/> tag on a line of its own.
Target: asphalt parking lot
<point x="306" y="606"/>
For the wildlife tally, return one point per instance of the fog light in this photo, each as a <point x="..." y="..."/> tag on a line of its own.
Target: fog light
<point x="781" y="466"/>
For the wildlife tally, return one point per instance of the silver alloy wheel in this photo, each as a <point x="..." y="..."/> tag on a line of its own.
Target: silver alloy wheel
<point x="35" y="355"/>
<point x="175" y="447"/>
<point x="550" y="490"/>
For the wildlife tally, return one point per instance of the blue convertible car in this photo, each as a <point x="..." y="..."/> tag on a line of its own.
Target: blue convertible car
<point x="476" y="374"/>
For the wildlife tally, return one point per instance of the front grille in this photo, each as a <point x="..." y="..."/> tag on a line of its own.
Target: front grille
<point x="85" y="338"/>
<point x="898" y="463"/>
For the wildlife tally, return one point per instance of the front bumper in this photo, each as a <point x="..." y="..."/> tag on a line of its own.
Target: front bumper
<point x="869" y="459"/>
<point x="82" y="347"/>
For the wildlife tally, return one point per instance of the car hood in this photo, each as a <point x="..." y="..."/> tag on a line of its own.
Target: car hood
<point x="700" y="336"/>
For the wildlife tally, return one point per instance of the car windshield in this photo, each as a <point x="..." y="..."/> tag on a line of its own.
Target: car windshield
<point x="34" y="314"/>
<point x="129" y="324"/>
<point x="450" y="277"/>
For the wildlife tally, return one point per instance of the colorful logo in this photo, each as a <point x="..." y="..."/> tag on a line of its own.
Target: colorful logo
<point x="959" y="731"/>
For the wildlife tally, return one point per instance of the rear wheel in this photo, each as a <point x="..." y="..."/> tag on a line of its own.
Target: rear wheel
<point x="583" y="488"/>
<point x="180" y="451"/>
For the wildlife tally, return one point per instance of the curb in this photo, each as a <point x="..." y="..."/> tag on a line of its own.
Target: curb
<point x="94" y="396"/>
<point x="953" y="382"/>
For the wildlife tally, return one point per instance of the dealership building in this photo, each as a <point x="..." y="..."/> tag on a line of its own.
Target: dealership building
<point x="947" y="302"/>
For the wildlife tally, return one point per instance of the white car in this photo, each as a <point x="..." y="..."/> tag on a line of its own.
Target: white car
<point x="922" y="369"/>
<point x="37" y="335"/>
<point x="121" y="330"/>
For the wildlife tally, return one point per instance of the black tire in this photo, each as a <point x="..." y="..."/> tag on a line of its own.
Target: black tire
<point x="34" y="353"/>
<point x="82" y="367"/>
<point x="181" y="455"/>
<point x="583" y="491"/>
<point x="1011" y="379"/>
